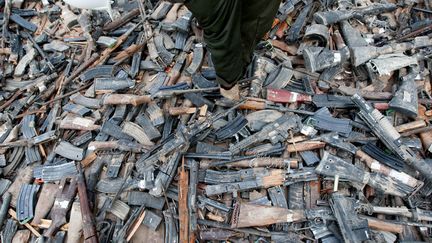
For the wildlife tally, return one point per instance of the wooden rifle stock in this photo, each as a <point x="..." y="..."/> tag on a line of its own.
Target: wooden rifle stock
<point x="89" y="228"/>
<point x="250" y="215"/>
<point x="183" y="207"/>
<point x="253" y="105"/>
<point x="126" y="99"/>
<point x="411" y="126"/>
<point x="305" y="146"/>
<point x="382" y="225"/>
<point x="285" y="96"/>
<point x="177" y="111"/>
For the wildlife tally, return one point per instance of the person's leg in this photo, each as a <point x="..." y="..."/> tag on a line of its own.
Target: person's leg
<point x="257" y="18"/>
<point x="220" y="20"/>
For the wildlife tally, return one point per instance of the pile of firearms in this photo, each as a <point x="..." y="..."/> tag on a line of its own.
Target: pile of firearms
<point x="115" y="130"/>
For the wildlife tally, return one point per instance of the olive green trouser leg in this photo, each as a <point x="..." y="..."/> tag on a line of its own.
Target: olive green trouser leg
<point x="232" y="29"/>
<point x="257" y="19"/>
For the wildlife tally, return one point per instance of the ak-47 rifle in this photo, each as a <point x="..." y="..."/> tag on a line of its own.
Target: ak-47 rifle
<point x="353" y="228"/>
<point x="180" y="139"/>
<point x="334" y="140"/>
<point x="331" y="17"/>
<point x="416" y="214"/>
<point x="362" y="54"/>
<point x="245" y="215"/>
<point x="262" y="104"/>
<point x="331" y="165"/>
<point x="275" y="132"/>
<point x="384" y="130"/>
